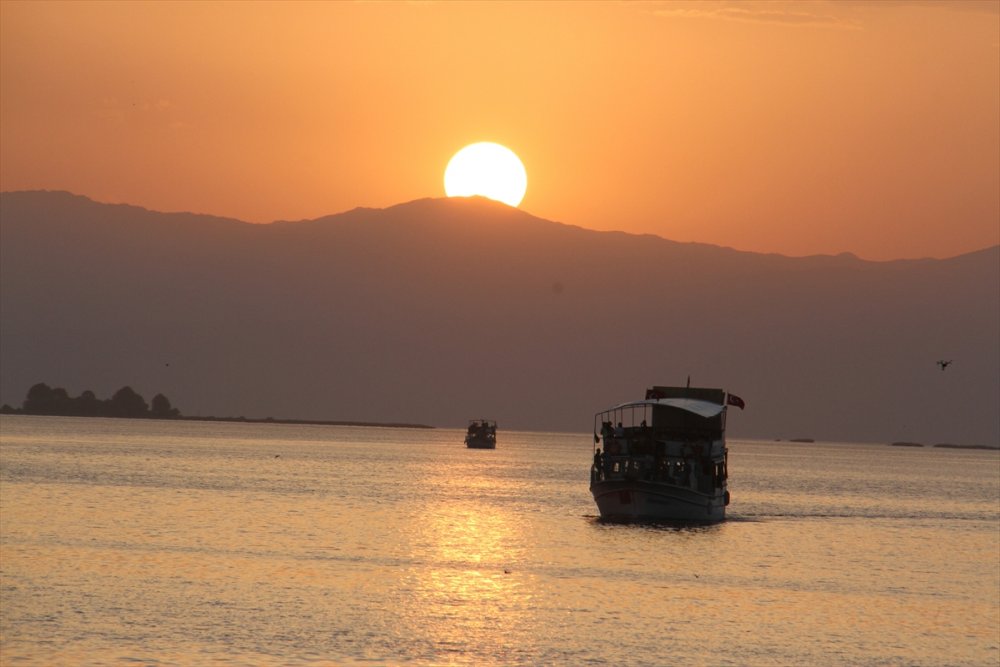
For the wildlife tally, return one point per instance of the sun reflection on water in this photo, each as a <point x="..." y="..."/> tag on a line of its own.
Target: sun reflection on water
<point x="466" y="588"/>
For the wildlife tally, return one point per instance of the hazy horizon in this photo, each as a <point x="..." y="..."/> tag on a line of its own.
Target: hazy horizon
<point x="468" y="307"/>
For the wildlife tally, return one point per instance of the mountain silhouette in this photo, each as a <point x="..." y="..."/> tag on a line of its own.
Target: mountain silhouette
<point x="439" y="310"/>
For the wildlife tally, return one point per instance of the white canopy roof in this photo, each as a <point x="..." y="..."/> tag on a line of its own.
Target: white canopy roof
<point x="700" y="408"/>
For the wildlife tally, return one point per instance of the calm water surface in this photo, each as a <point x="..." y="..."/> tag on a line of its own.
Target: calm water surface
<point x="126" y="542"/>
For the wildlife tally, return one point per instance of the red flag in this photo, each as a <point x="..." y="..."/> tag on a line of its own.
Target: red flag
<point x="733" y="399"/>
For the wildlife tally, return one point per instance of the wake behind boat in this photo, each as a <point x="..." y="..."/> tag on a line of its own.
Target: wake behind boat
<point x="665" y="457"/>
<point x="481" y="434"/>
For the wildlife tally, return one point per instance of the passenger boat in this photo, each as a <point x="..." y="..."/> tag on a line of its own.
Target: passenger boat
<point x="482" y="434"/>
<point x="665" y="457"/>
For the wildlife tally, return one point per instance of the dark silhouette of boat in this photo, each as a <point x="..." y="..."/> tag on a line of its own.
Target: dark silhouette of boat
<point x="664" y="458"/>
<point x="482" y="434"/>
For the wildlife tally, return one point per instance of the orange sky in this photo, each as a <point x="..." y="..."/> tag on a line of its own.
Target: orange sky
<point x="789" y="127"/>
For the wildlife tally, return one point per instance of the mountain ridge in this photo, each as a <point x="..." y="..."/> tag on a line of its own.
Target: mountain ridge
<point x="367" y="211"/>
<point x="466" y="307"/>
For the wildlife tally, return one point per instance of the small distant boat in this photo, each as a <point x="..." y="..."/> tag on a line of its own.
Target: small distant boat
<point x="665" y="457"/>
<point x="482" y="434"/>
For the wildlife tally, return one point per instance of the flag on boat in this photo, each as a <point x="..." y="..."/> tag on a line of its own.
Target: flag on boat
<point x="733" y="399"/>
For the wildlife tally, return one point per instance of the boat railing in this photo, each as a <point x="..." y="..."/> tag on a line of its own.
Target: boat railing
<point x="634" y="422"/>
<point x="702" y="473"/>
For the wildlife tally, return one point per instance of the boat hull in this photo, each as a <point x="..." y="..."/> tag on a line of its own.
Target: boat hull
<point x="643" y="501"/>
<point x="480" y="443"/>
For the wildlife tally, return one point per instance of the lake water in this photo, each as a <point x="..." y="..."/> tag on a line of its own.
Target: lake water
<point x="127" y="542"/>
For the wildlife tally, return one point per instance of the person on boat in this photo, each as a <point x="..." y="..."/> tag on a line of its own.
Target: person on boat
<point x="606" y="433"/>
<point x="599" y="463"/>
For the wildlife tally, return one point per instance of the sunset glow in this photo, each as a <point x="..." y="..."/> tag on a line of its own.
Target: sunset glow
<point x="794" y="127"/>
<point x="489" y="170"/>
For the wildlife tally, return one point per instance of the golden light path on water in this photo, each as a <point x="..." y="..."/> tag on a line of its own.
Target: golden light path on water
<point x="472" y="591"/>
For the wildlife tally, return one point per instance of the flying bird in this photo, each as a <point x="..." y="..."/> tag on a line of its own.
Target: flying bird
<point x="944" y="364"/>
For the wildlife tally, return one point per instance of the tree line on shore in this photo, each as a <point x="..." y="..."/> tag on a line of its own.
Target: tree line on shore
<point x="45" y="400"/>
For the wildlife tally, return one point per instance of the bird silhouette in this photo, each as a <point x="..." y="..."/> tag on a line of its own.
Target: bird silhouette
<point x="944" y="363"/>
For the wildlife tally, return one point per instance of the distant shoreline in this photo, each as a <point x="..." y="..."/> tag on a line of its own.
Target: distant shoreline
<point x="945" y="445"/>
<point x="312" y="422"/>
<point x="236" y="420"/>
<point x="43" y="400"/>
<point x="362" y="424"/>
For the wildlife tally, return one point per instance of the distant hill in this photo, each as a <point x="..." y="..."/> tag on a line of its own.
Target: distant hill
<point x="440" y="310"/>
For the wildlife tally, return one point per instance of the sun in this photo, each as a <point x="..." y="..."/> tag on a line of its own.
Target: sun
<point x="486" y="169"/>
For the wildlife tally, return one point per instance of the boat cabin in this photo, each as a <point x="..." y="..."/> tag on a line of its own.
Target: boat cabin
<point x="676" y="435"/>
